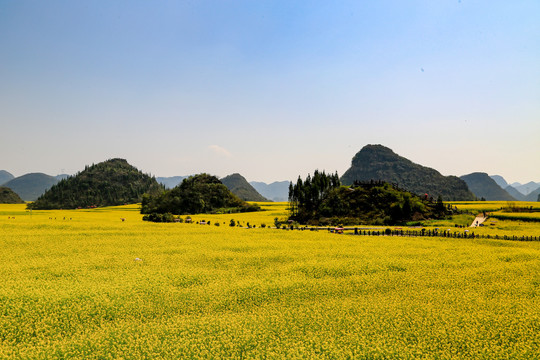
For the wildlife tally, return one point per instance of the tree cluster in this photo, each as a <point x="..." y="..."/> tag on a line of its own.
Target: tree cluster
<point x="196" y="194"/>
<point x="322" y="201"/>
<point x="305" y="197"/>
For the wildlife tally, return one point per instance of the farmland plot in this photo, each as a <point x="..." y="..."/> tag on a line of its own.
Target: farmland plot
<point x="85" y="284"/>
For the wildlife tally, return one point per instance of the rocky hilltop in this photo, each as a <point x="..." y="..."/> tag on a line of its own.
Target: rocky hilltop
<point x="377" y="162"/>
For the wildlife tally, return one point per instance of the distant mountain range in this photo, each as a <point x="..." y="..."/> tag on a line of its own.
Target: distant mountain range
<point x="485" y="187"/>
<point x="514" y="193"/>
<point x="373" y="162"/>
<point x="170" y="182"/>
<point x="277" y="191"/>
<point x="376" y="162"/>
<point x="527" y="188"/>
<point x="525" y="192"/>
<point x="30" y="186"/>
<point x="496" y="188"/>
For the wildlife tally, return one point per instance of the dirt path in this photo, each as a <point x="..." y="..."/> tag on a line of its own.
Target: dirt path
<point x="478" y="220"/>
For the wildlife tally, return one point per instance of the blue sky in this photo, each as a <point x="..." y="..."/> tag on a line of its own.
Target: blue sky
<point x="269" y="89"/>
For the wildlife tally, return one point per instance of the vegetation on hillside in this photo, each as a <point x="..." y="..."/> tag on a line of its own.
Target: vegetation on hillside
<point x="321" y="200"/>
<point x="109" y="183"/>
<point x="241" y="188"/>
<point x="197" y="194"/>
<point x="376" y="162"/>
<point x="8" y="196"/>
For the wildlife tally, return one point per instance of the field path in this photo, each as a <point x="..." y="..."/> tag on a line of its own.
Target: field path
<point x="478" y="220"/>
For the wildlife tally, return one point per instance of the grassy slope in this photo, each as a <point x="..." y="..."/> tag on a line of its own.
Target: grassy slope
<point x="72" y="288"/>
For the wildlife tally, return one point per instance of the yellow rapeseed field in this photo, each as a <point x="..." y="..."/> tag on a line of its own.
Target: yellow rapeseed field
<point x="490" y="206"/>
<point x="84" y="284"/>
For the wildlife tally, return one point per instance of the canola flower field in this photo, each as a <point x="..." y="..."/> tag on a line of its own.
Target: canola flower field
<point x="84" y="284"/>
<point x="491" y="206"/>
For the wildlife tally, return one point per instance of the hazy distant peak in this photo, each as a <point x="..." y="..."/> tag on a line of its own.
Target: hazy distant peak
<point x="500" y="181"/>
<point x="172" y="181"/>
<point x="5" y="176"/>
<point x="527" y="188"/>
<point x="276" y="191"/>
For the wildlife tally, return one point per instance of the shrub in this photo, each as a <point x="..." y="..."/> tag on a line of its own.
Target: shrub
<point x="155" y="217"/>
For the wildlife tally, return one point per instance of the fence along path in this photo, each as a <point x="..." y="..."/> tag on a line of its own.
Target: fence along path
<point x="415" y="233"/>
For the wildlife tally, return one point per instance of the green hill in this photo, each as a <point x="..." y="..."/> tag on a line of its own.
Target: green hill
<point x="376" y="162"/>
<point x="241" y="188"/>
<point x="197" y="194"/>
<point x="8" y="196"/>
<point x="483" y="186"/>
<point x="5" y="177"/>
<point x="109" y="183"/>
<point x="30" y="186"/>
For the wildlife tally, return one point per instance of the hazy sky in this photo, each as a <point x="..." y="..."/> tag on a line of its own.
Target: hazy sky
<point x="269" y="89"/>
